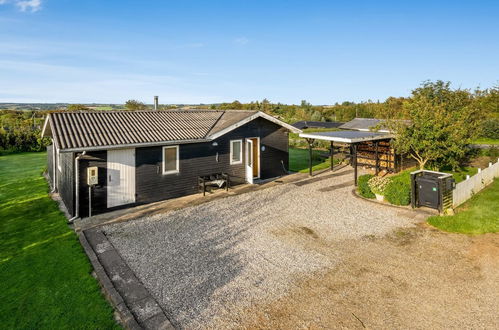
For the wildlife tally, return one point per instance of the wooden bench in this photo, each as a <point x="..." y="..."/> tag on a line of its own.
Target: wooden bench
<point x="213" y="180"/>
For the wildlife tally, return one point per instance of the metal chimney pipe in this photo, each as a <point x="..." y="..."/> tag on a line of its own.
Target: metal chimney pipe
<point x="155" y="103"/>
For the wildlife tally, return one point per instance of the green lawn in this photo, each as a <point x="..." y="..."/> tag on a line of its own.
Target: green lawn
<point x="486" y="141"/>
<point x="45" y="280"/>
<point x="460" y="174"/>
<point x="298" y="160"/>
<point x="477" y="216"/>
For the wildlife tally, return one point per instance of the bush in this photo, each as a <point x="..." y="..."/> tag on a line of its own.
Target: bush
<point x="363" y="186"/>
<point x="490" y="128"/>
<point x="398" y="191"/>
<point x="378" y="184"/>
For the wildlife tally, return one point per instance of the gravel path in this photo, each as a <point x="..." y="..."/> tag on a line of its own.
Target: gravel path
<point x="207" y="265"/>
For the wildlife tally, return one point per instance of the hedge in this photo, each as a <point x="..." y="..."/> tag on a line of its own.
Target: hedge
<point x="363" y="186"/>
<point x="398" y="191"/>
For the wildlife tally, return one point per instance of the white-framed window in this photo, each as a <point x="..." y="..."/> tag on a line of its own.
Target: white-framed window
<point x="170" y="160"/>
<point x="236" y="152"/>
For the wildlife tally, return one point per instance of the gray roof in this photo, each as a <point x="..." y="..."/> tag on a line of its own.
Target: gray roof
<point x="367" y="124"/>
<point x="347" y="136"/>
<point x="361" y="124"/>
<point x="316" y="124"/>
<point x="84" y="130"/>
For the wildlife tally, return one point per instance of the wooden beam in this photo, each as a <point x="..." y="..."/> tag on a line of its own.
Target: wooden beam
<point x="332" y="155"/>
<point x="377" y="158"/>
<point x="354" y="147"/>
<point x="310" y="145"/>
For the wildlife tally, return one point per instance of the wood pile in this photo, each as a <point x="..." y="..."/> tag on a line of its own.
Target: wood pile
<point x="366" y="154"/>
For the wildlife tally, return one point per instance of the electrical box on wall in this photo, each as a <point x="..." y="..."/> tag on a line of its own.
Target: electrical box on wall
<point x="92" y="175"/>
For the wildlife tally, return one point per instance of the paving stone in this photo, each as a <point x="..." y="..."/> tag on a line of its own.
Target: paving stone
<point x="98" y="241"/>
<point x="145" y="308"/>
<point x="158" y="321"/>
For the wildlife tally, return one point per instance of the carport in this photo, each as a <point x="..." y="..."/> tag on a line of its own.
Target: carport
<point x="371" y="140"/>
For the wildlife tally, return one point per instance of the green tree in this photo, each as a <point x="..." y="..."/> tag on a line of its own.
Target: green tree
<point x="443" y="123"/>
<point x="135" y="105"/>
<point x="77" y="107"/>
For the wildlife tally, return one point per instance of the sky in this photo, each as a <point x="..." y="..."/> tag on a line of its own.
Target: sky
<point x="220" y="51"/>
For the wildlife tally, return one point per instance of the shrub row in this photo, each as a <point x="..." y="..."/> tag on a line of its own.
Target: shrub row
<point x="397" y="191"/>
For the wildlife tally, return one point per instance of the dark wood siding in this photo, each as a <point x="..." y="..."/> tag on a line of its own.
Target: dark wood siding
<point x="50" y="165"/>
<point x="99" y="192"/>
<point x="65" y="180"/>
<point x="201" y="159"/>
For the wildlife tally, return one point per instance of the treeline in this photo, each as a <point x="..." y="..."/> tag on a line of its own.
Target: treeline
<point x="487" y="100"/>
<point x="21" y="131"/>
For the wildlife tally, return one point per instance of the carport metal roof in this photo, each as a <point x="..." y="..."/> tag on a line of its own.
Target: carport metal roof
<point x="347" y="136"/>
<point x="351" y="137"/>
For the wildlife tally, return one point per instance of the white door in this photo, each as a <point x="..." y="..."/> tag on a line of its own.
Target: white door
<point x="120" y="177"/>
<point x="249" y="161"/>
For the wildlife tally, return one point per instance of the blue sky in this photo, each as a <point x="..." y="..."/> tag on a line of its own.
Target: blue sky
<point x="214" y="51"/>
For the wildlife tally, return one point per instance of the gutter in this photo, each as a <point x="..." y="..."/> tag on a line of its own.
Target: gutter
<point x="77" y="197"/>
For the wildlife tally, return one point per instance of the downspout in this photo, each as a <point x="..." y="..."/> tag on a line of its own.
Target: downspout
<point x="77" y="187"/>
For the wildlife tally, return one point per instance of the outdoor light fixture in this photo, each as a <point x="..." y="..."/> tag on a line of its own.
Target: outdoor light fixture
<point x="214" y="144"/>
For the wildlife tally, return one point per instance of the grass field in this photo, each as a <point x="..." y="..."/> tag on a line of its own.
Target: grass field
<point x="486" y="141"/>
<point x="477" y="216"/>
<point x="298" y="160"/>
<point x="45" y="280"/>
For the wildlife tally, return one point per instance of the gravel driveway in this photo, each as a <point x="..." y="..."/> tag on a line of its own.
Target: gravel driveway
<point x="208" y="264"/>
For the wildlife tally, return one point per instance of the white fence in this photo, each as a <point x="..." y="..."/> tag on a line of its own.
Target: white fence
<point x="466" y="189"/>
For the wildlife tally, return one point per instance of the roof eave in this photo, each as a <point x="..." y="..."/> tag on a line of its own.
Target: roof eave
<point x="346" y="140"/>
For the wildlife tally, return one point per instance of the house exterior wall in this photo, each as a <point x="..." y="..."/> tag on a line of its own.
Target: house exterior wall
<point x="196" y="159"/>
<point x="99" y="191"/>
<point x="199" y="159"/>
<point x="65" y="180"/>
<point x="50" y="165"/>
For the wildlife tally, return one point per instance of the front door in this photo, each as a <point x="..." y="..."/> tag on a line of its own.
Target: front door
<point x="249" y="161"/>
<point x="120" y="177"/>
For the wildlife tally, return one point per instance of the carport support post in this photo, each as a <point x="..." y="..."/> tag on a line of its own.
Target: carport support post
<point x="332" y="154"/>
<point x="310" y="145"/>
<point x="354" y="147"/>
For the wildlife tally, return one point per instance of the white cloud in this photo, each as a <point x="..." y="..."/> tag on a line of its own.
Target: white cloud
<point x="241" y="41"/>
<point x="29" y="5"/>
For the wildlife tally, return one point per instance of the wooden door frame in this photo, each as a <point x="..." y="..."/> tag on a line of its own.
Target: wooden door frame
<point x="258" y="153"/>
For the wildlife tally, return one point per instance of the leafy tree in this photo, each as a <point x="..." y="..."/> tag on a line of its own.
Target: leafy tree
<point x="77" y="107"/>
<point x="490" y="128"/>
<point x="135" y="105"/>
<point x="316" y="116"/>
<point x="443" y="123"/>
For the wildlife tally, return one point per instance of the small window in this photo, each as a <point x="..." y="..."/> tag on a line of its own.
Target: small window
<point x="170" y="160"/>
<point x="236" y="151"/>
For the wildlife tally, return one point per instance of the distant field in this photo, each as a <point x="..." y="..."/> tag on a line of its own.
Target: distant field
<point x="45" y="280"/>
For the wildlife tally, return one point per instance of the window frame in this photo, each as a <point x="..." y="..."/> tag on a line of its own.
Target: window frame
<point x="163" y="164"/>
<point x="240" y="161"/>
